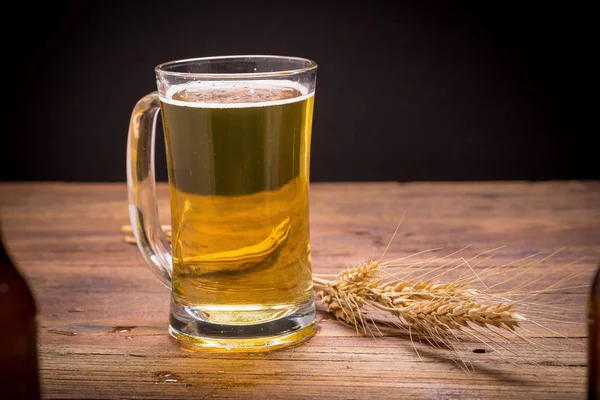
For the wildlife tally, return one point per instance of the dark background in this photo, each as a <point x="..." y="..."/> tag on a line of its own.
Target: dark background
<point x="405" y="91"/>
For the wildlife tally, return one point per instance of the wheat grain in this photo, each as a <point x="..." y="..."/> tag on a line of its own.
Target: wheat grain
<point x="425" y="307"/>
<point x="129" y="239"/>
<point x="128" y="230"/>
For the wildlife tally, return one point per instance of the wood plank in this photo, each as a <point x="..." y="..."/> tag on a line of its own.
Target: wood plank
<point x="104" y="315"/>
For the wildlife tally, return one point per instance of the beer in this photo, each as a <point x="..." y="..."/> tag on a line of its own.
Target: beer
<point x="238" y="155"/>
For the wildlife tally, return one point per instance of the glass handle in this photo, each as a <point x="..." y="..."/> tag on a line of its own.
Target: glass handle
<point x="143" y="211"/>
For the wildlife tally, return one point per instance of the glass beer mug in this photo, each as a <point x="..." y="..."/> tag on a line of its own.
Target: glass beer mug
<point x="237" y="132"/>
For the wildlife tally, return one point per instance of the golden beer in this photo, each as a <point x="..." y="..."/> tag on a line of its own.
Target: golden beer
<point x="238" y="163"/>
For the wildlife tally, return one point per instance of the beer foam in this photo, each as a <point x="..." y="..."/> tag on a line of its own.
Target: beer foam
<point x="235" y="94"/>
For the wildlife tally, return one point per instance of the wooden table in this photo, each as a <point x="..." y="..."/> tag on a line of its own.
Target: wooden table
<point x="103" y="332"/>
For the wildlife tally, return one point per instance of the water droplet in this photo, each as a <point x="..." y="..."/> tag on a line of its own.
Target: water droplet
<point x="324" y="319"/>
<point x="74" y="310"/>
<point x="170" y="380"/>
<point x="348" y="368"/>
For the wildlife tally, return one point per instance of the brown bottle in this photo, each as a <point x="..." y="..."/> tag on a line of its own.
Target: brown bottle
<point x="19" y="374"/>
<point x="594" y="339"/>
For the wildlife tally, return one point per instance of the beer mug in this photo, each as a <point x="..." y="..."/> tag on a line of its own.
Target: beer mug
<point x="237" y="132"/>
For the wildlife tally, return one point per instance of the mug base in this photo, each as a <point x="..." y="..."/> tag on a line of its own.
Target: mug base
<point x="286" y="331"/>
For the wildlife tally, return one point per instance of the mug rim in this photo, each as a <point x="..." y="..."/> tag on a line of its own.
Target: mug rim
<point x="160" y="69"/>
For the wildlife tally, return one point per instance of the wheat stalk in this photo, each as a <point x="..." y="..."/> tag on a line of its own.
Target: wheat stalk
<point x="129" y="238"/>
<point x="423" y="307"/>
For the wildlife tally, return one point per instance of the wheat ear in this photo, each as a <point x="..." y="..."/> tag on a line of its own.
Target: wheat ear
<point x="424" y="307"/>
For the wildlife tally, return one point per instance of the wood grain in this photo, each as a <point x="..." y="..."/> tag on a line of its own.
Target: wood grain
<point x="103" y="331"/>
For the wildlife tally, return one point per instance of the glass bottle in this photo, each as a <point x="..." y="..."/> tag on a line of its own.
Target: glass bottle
<point x="19" y="373"/>
<point x="594" y="339"/>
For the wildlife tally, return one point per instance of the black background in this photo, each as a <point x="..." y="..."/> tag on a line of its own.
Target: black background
<point x="406" y="91"/>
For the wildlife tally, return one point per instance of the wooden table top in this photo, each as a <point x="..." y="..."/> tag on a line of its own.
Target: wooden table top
<point x="104" y="315"/>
